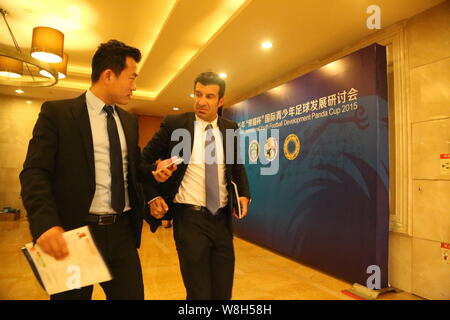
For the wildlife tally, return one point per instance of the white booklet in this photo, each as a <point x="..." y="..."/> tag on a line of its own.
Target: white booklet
<point x="82" y="267"/>
<point x="237" y="204"/>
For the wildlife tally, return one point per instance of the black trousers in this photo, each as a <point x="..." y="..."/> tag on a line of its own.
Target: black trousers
<point x="205" y="250"/>
<point x="116" y="244"/>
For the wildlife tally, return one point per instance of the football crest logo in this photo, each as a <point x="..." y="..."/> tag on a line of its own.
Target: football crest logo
<point x="253" y="151"/>
<point x="271" y="149"/>
<point x="291" y="147"/>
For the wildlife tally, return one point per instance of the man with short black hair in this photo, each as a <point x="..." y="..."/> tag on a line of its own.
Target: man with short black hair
<point x="82" y="168"/>
<point x="198" y="193"/>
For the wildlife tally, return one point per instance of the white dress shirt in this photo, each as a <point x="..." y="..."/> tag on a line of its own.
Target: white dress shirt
<point x="101" y="204"/>
<point x="193" y="187"/>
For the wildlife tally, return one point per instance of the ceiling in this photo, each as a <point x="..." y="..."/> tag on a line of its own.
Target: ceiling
<point x="181" y="38"/>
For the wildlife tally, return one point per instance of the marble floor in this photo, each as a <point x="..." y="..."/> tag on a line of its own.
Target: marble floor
<point x="260" y="273"/>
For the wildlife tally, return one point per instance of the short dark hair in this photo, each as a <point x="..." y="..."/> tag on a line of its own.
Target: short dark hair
<point x="112" y="55"/>
<point x="207" y="78"/>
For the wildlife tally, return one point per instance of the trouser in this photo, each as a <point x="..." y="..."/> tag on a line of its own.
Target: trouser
<point x="117" y="246"/>
<point x="205" y="250"/>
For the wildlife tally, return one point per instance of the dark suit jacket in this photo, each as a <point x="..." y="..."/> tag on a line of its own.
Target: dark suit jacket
<point x="58" y="176"/>
<point x="161" y="146"/>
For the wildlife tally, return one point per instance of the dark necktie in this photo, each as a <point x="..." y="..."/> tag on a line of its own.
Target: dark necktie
<point x="115" y="158"/>
<point x="211" y="172"/>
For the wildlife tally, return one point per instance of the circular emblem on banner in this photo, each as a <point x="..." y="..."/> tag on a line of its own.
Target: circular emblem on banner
<point x="271" y="149"/>
<point x="291" y="146"/>
<point x="253" y="151"/>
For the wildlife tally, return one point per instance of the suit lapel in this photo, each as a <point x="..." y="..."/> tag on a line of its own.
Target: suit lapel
<point x="81" y="117"/>
<point x="228" y="166"/>
<point x="190" y="125"/>
<point x="224" y="137"/>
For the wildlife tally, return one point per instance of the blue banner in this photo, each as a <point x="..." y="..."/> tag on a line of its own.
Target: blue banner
<point x="316" y="153"/>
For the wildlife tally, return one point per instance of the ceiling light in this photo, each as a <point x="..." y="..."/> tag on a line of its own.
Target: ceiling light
<point x="176" y="108"/>
<point x="334" y="67"/>
<point x="28" y="102"/>
<point x="266" y="45"/>
<point x="223" y="75"/>
<point x="19" y="91"/>
<point x="10" y="68"/>
<point x="192" y="95"/>
<point x="279" y="91"/>
<point x="47" y="44"/>
<point x="11" y="60"/>
<point x="60" y="67"/>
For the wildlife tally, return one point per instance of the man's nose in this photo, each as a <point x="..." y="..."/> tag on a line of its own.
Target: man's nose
<point x="201" y="101"/>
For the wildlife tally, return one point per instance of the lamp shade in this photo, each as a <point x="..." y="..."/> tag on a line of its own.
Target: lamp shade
<point x="10" y="68"/>
<point x="47" y="44"/>
<point x="60" y="67"/>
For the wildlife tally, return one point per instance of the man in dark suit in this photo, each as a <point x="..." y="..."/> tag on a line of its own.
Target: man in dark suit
<point x="198" y="194"/>
<point x="82" y="168"/>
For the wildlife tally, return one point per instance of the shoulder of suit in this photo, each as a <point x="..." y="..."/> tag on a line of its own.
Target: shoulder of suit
<point x="61" y="105"/>
<point x="65" y="102"/>
<point x="229" y="123"/>
<point x="179" y="117"/>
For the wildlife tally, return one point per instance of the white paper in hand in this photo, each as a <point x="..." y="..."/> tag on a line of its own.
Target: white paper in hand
<point x="175" y="160"/>
<point x="84" y="265"/>
<point x="237" y="205"/>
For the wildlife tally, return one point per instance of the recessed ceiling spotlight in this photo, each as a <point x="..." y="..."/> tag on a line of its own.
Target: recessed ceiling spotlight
<point x="223" y="75"/>
<point x="28" y="102"/>
<point x="19" y="91"/>
<point x="192" y="95"/>
<point x="266" y="45"/>
<point x="176" y="108"/>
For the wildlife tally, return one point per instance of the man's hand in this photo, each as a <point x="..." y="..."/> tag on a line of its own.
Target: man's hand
<point x="53" y="243"/>
<point x="158" y="208"/>
<point x="161" y="173"/>
<point x="244" y="207"/>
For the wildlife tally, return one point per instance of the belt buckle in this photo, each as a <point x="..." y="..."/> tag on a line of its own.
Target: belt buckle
<point x="106" y="220"/>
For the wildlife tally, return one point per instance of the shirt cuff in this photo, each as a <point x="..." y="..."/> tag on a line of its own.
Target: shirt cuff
<point x="153" y="199"/>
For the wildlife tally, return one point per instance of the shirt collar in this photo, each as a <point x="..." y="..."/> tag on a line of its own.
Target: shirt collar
<point x="204" y="123"/>
<point x="94" y="103"/>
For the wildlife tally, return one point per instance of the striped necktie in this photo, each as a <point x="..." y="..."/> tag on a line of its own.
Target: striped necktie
<point x="211" y="172"/>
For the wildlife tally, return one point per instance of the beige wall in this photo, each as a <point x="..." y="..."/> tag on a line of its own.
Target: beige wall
<point x="415" y="256"/>
<point x="17" y="120"/>
<point x="428" y="38"/>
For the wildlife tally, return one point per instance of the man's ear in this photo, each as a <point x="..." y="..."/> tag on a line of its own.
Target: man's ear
<point x="107" y="75"/>
<point x="221" y="101"/>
